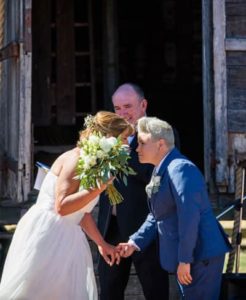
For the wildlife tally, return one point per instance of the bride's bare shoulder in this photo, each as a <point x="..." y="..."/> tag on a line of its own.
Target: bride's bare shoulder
<point x="68" y="160"/>
<point x="70" y="154"/>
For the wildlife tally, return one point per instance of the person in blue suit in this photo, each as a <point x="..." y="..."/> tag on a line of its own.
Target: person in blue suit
<point x="192" y="243"/>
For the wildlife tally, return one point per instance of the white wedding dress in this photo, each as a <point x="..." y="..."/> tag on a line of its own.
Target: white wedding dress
<point x="49" y="257"/>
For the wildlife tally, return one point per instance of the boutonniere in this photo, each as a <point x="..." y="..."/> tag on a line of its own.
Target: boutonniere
<point x="153" y="186"/>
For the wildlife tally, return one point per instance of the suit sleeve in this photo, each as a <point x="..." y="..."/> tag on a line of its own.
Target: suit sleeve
<point x="146" y="234"/>
<point x="187" y="186"/>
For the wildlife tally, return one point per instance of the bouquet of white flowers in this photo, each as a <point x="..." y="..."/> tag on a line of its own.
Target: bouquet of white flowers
<point x="100" y="159"/>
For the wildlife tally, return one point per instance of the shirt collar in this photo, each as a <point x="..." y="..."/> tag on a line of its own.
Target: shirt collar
<point x="157" y="168"/>
<point x="130" y="138"/>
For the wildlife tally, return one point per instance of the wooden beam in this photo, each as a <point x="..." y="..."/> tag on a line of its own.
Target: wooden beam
<point x="65" y="64"/>
<point x="110" y="53"/>
<point x="11" y="50"/>
<point x="92" y="57"/>
<point x="42" y="81"/>
<point x="208" y="99"/>
<point x="235" y="44"/>
<point x="220" y="95"/>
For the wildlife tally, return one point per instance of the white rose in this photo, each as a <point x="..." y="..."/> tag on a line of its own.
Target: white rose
<point x="89" y="161"/>
<point x="107" y="143"/>
<point x="112" y="140"/>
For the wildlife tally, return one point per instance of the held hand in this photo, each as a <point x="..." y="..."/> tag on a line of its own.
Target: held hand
<point x="183" y="274"/>
<point x="109" y="253"/>
<point x="103" y="186"/>
<point x="111" y="179"/>
<point x="125" y="249"/>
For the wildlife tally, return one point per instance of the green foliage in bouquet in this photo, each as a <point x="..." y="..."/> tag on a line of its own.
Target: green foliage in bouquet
<point x="102" y="158"/>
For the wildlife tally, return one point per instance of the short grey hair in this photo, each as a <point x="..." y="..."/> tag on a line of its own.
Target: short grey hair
<point x="157" y="128"/>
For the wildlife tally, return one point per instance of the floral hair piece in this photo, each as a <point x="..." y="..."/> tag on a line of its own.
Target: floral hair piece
<point x="89" y="122"/>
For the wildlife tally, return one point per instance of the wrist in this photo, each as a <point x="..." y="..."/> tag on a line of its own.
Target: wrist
<point x="100" y="242"/>
<point x="103" y="187"/>
<point x="133" y="245"/>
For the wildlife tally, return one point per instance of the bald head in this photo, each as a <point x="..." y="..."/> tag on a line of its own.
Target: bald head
<point x="130" y="88"/>
<point x="129" y="102"/>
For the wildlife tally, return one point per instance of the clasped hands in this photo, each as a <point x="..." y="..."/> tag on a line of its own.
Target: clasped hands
<point x="113" y="254"/>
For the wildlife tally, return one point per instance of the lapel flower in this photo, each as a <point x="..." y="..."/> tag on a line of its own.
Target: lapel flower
<point x="100" y="159"/>
<point x="153" y="186"/>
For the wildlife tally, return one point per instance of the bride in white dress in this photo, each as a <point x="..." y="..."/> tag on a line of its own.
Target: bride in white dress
<point x="49" y="257"/>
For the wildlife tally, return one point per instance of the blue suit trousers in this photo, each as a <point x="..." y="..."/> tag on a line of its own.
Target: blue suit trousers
<point x="206" y="281"/>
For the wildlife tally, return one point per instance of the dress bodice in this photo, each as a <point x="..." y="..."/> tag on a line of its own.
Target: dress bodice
<point x="46" y="199"/>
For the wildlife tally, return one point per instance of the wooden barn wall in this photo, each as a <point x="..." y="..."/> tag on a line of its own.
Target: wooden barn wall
<point x="9" y="106"/>
<point x="236" y="78"/>
<point x="236" y="67"/>
<point x="235" y="11"/>
<point x="15" y="101"/>
<point x="2" y="10"/>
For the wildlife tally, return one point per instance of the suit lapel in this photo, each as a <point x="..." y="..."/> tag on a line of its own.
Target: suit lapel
<point x="170" y="157"/>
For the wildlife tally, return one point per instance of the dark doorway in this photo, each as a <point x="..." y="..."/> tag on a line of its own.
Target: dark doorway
<point x="160" y="48"/>
<point x="157" y="45"/>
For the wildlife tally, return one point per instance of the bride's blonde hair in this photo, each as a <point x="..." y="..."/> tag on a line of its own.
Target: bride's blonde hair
<point x="107" y="123"/>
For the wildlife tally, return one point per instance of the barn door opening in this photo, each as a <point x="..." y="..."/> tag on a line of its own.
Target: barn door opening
<point x="63" y="74"/>
<point x="160" y="47"/>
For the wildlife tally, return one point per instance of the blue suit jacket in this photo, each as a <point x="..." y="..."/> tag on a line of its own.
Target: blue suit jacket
<point x="182" y="216"/>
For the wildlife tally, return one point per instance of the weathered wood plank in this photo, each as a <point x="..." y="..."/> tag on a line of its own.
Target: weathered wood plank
<point x="236" y="61"/>
<point x="234" y="1"/>
<point x="236" y="120"/>
<point x="235" y="8"/>
<point x="208" y="99"/>
<point x="25" y="110"/>
<point x="235" y="19"/>
<point x="220" y="94"/>
<point x="236" y="76"/>
<point x="233" y="44"/>
<point x="65" y="63"/>
<point x="236" y="98"/>
<point x="11" y="50"/>
<point x="237" y="58"/>
<point x="236" y="27"/>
